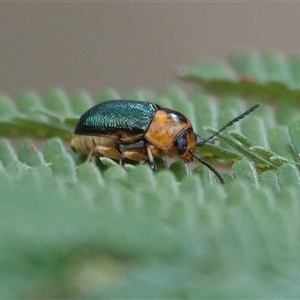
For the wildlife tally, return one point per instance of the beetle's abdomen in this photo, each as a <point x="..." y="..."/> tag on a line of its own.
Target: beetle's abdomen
<point x="134" y="116"/>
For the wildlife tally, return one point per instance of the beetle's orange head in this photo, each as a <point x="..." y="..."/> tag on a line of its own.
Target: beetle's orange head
<point x="185" y="144"/>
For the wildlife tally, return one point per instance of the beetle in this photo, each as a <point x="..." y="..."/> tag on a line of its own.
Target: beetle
<point x="140" y="131"/>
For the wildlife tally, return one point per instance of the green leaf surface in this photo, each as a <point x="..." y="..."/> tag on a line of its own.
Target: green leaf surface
<point x="249" y="66"/>
<point x="180" y="169"/>
<point x="80" y="102"/>
<point x="56" y="101"/>
<point x="7" y="153"/>
<point x="77" y="229"/>
<point x="82" y="225"/>
<point x="268" y="77"/>
<point x="7" y="108"/>
<point x="209" y="70"/>
<point x="28" y="154"/>
<point x="269" y="178"/>
<point x="59" y="159"/>
<point x="246" y="171"/>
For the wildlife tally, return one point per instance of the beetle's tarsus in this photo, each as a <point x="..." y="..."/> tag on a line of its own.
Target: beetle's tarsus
<point x="153" y="166"/>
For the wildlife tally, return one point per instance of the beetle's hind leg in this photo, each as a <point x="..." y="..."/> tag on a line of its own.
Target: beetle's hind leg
<point x="90" y="155"/>
<point x="121" y="161"/>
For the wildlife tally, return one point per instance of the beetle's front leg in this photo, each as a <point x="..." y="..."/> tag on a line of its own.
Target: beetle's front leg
<point x="151" y="161"/>
<point x="90" y="155"/>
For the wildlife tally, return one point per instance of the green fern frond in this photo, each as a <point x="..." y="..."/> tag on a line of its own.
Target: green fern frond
<point x="104" y="235"/>
<point x="270" y="77"/>
<point x="268" y="143"/>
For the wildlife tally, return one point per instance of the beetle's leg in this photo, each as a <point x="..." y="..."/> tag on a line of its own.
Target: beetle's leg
<point x="134" y="154"/>
<point x="90" y="155"/>
<point x="102" y="150"/>
<point x="135" y="151"/>
<point x="152" y="163"/>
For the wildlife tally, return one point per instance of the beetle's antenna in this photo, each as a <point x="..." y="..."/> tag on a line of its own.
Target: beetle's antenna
<point x="208" y="166"/>
<point x="201" y="142"/>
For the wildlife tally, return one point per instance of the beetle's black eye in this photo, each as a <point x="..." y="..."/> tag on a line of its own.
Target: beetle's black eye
<point x="181" y="143"/>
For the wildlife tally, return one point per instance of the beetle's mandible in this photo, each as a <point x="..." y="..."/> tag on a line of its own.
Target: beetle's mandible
<point x="139" y="131"/>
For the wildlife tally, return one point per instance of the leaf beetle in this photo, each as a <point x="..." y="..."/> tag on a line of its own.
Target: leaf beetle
<point x="140" y="131"/>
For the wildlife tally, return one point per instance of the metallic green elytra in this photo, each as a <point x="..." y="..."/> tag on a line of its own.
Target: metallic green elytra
<point x="140" y="131"/>
<point x="119" y="114"/>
